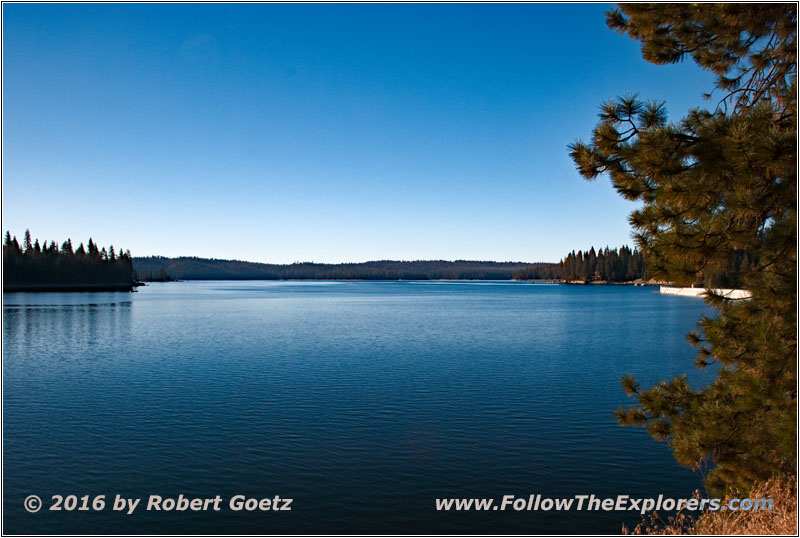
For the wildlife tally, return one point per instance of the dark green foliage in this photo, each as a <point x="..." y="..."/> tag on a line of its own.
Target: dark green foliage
<point x="719" y="194"/>
<point x="38" y="268"/>
<point x="750" y="47"/>
<point x="623" y="265"/>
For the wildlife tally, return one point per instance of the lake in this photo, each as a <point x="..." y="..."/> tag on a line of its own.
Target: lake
<point x="362" y="401"/>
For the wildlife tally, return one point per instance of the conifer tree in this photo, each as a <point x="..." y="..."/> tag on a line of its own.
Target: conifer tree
<point x="717" y="186"/>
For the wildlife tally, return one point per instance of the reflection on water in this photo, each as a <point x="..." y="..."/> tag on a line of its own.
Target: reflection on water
<point x="61" y="321"/>
<point x="363" y="401"/>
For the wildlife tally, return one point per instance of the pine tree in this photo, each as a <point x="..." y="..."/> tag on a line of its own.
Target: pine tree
<point x="26" y="241"/>
<point x="720" y="184"/>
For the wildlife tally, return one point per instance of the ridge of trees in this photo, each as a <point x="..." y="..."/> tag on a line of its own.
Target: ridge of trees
<point x="156" y="268"/>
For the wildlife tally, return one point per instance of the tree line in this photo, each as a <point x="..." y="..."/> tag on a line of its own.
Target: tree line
<point x="159" y="268"/>
<point x="626" y="264"/>
<point x="617" y="265"/>
<point x="33" y="264"/>
<point x="41" y="266"/>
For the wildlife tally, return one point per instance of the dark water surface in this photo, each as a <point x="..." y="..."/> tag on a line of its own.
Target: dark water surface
<point x="362" y="401"/>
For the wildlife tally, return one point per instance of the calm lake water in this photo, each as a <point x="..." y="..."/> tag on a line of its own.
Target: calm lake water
<point x="362" y="401"/>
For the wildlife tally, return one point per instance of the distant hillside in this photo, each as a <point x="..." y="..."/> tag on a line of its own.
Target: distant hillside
<point x="186" y="268"/>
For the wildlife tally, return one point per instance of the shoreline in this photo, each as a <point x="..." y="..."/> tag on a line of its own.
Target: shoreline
<point x="55" y="287"/>
<point x="729" y="293"/>
<point x="131" y="287"/>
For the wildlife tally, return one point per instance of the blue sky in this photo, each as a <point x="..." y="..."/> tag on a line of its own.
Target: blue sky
<point x="317" y="132"/>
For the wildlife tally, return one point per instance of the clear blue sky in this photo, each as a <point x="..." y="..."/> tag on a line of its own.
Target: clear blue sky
<point x="327" y="133"/>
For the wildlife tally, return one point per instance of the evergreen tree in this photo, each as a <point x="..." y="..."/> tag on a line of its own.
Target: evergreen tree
<point x="718" y="186"/>
<point x="26" y="241"/>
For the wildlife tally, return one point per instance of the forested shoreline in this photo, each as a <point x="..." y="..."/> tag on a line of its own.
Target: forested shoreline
<point x="606" y="265"/>
<point x="35" y="266"/>
<point x="47" y="267"/>
<point x="158" y="268"/>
